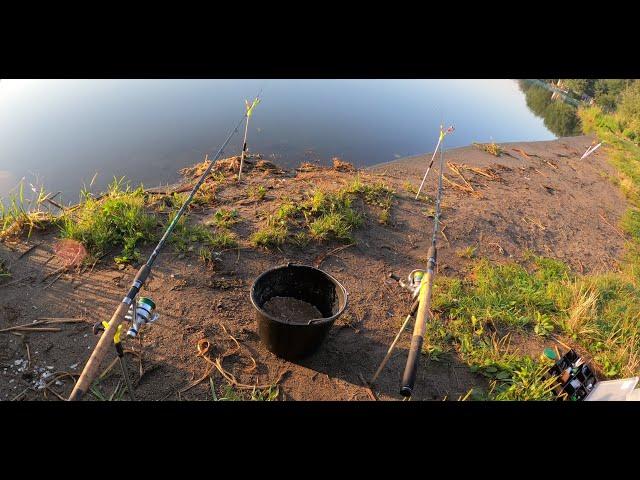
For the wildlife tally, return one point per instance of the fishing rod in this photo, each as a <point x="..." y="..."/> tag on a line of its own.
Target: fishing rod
<point x="91" y="367"/>
<point x="424" y="295"/>
<point x="440" y="139"/>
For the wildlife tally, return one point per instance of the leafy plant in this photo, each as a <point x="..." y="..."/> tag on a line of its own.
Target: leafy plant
<point x="224" y="218"/>
<point x="543" y="325"/>
<point x="117" y="220"/>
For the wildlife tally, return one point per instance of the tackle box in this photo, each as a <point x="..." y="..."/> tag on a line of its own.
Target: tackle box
<point x="575" y="382"/>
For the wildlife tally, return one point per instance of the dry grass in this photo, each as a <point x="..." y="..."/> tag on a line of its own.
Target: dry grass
<point x="582" y="312"/>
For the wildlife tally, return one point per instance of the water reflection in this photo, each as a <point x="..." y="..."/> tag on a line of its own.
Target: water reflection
<point x="560" y="117"/>
<point x="67" y="130"/>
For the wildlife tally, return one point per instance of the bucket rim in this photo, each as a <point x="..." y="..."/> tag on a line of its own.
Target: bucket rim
<point x="318" y="321"/>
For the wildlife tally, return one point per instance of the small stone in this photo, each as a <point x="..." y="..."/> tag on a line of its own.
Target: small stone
<point x="74" y="366"/>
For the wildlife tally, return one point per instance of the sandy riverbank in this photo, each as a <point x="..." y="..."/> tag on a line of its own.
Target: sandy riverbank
<point x="536" y="197"/>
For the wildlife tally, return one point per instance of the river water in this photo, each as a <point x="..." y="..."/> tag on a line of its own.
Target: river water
<point x="59" y="133"/>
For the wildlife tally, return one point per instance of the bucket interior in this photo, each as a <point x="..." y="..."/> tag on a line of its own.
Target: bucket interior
<point x="301" y="282"/>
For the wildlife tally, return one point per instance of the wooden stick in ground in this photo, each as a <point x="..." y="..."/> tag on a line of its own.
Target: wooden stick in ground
<point x="29" y="249"/>
<point x="30" y="329"/>
<point x="41" y="321"/>
<point x="50" y="320"/>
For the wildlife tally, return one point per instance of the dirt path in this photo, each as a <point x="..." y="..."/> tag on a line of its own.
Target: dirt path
<point x="546" y="201"/>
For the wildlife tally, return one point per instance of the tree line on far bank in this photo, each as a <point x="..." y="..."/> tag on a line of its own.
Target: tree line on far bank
<point x="620" y="98"/>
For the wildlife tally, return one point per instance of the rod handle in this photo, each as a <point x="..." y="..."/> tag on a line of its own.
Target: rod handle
<point x="90" y="370"/>
<point x="410" y="370"/>
<point x="419" y="330"/>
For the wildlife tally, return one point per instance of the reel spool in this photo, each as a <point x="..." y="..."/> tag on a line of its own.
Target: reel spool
<point x="414" y="280"/>
<point x="144" y="314"/>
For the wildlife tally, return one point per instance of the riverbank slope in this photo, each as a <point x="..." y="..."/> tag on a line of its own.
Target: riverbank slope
<point x="535" y="199"/>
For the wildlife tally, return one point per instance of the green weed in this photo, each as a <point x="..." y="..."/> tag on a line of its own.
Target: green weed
<point x="19" y="213"/>
<point x="185" y="236"/>
<point x="468" y="252"/>
<point x="270" y="236"/>
<point x="118" y="220"/>
<point x="224" y="218"/>
<point x="256" y="192"/>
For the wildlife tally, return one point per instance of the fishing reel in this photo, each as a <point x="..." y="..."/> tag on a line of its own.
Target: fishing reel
<point x="144" y="314"/>
<point x="413" y="283"/>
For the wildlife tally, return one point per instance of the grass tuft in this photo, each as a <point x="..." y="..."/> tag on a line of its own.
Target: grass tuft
<point x="256" y="192"/>
<point x="118" y="220"/>
<point x="224" y="218"/>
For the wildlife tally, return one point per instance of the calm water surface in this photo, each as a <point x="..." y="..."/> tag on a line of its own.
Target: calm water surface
<point x="59" y="133"/>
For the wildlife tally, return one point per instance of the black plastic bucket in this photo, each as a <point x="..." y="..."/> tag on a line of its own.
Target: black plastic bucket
<point x="297" y="340"/>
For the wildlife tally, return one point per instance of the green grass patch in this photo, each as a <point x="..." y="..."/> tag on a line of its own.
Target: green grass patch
<point x="19" y="213"/>
<point x="599" y="312"/>
<point x="118" y="220"/>
<point x="185" y="237"/>
<point x="324" y="216"/>
<point x="270" y="236"/>
<point x="229" y="394"/>
<point x="224" y="218"/>
<point x="117" y="395"/>
<point x="377" y="194"/>
<point x="411" y="188"/>
<point x="205" y="196"/>
<point x="331" y="216"/>
<point x="256" y="192"/>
